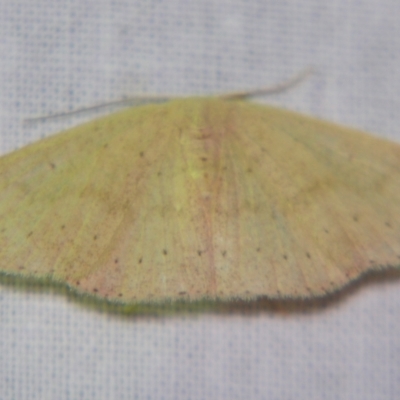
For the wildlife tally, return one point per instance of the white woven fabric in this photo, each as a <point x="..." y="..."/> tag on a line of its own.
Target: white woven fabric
<point x="56" y="55"/>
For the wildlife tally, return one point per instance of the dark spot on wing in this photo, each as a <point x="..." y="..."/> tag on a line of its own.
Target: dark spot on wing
<point x="308" y="255"/>
<point x="165" y="252"/>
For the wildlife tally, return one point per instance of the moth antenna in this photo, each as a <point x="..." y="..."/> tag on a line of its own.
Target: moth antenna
<point x="140" y="99"/>
<point x="280" y="87"/>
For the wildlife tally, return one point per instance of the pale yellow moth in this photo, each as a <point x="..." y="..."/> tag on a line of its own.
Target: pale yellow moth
<point x="201" y="198"/>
